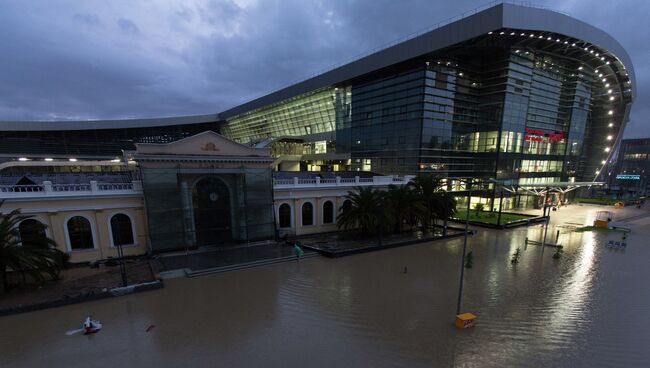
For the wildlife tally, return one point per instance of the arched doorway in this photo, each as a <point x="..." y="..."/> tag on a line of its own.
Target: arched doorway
<point x="211" y="202"/>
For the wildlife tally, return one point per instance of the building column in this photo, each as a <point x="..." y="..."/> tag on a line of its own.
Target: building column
<point x="188" y="214"/>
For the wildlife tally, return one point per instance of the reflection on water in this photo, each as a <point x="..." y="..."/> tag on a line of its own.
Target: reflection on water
<point x="587" y="309"/>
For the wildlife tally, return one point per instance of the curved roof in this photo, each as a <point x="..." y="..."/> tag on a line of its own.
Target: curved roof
<point x="105" y="124"/>
<point x="500" y="16"/>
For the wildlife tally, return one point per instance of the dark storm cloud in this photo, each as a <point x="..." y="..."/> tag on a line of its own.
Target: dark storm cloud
<point x="127" y="26"/>
<point x="67" y="59"/>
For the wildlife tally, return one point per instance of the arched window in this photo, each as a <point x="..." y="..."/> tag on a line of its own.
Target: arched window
<point x="122" y="230"/>
<point x="285" y="215"/>
<point x="32" y="234"/>
<point x="328" y="212"/>
<point x="346" y="203"/>
<point x="80" y="233"/>
<point x="307" y="214"/>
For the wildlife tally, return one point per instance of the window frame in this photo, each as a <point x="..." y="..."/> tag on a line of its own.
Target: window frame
<point x="110" y="229"/>
<point x="67" y="234"/>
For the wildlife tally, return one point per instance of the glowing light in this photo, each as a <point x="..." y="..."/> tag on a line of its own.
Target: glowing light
<point x="501" y="33"/>
<point x="490" y="32"/>
<point x="611" y="98"/>
<point x="610" y="112"/>
<point x="606" y="84"/>
<point x="49" y="159"/>
<point x="609" y="91"/>
<point x="603" y="162"/>
<point x="610" y="125"/>
<point x="604" y="80"/>
<point x="23" y="159"/>
<point x="609" y="137"/>
<point x="579" y="68"/>
<point x="72" y="159"/>
<point x="607" y="149"/>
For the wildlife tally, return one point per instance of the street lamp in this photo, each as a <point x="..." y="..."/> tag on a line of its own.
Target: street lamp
<point x="462" y="263"/>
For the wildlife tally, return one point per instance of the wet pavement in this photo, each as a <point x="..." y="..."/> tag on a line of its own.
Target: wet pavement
<point x="588" y="309"/>
<point x="224" y="257"/>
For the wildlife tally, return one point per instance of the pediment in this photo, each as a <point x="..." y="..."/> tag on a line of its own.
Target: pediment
<point x="207" y="143"/>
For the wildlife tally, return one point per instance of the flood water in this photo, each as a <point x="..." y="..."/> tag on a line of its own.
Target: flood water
<point x="588" y="309"/>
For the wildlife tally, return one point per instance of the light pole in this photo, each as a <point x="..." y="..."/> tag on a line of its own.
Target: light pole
<point x="462" y="263"/>
<point x="500" y="206"/>
<point x="120" y="252"/>
<point x="548" y="217"/>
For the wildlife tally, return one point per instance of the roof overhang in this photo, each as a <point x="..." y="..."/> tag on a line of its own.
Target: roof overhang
<point x="442" y="36"/>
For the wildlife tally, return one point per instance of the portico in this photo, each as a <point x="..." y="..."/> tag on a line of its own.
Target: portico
<point x="205" y="190"/>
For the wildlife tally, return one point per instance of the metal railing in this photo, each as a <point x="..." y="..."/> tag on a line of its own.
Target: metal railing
<point x="339" y="182"/>
<point x="48" y="189"/>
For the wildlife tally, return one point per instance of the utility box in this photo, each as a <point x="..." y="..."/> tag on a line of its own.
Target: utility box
<point x="465" y="320"/>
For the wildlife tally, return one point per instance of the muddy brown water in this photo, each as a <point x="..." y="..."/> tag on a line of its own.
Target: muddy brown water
<point x="589" y="309"/>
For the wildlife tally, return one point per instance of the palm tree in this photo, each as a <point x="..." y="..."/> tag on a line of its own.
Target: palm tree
<point x="405" y="208"/>
<point x="438" y="203"/>
<point x="31" y="260"/>
<point x="365" y="210"/>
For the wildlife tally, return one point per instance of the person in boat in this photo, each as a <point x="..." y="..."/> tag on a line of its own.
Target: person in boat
<point x="88" y="324"/>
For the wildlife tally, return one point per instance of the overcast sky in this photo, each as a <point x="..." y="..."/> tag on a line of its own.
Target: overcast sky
<point x="72" y="59"/>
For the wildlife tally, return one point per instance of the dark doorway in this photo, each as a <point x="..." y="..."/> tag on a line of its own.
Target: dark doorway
<point x="211" y="202"/>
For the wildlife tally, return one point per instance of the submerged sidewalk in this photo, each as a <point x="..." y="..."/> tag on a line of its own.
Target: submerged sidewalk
<point x="229" y="257"/>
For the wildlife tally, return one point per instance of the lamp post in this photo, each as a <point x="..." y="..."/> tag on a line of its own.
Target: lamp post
<point x="120" y="253"/>
<point x="462" y="263"/>
<point x="500" y="206"/>
<point x="548" y="217"/>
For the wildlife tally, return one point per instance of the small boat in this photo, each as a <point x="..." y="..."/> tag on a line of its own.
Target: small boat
<point x="91" y="326"/>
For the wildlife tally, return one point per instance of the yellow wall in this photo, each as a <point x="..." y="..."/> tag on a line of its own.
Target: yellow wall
<point x="55" y="212"/>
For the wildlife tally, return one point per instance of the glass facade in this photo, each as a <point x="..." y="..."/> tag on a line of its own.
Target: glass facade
<point x="93" y="143"/>
<point x="510" y="105"/>
<point x="628" y="175"/>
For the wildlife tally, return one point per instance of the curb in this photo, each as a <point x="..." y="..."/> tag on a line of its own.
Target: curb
<point x="115" y="292"/>
<point x="372" y="248"/>
<point x="207" y="271"/>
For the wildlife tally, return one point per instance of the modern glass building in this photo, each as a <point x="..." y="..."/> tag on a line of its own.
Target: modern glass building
<point x="628" y="175"/>
<point x="520" y="94"/>
<point x="516" y="93"/>
<point x="99" y="139"/>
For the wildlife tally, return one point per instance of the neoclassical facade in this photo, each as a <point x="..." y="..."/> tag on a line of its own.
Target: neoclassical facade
<point x="205" y="190"/>
<point x="201" y="191"/>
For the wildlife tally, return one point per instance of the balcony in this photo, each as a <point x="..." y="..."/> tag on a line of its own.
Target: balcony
<point x="300" y="183"/>
<point x="49" y="190"/>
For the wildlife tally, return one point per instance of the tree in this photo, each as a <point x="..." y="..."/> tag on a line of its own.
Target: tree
<point x="365" y="211"/>
<point x="31" y="260"/>
<point x="404" y="207"/>
<point x="437" y="203"/>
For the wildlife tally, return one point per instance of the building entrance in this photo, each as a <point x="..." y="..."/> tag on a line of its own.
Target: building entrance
<point x="211" y="205"/>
